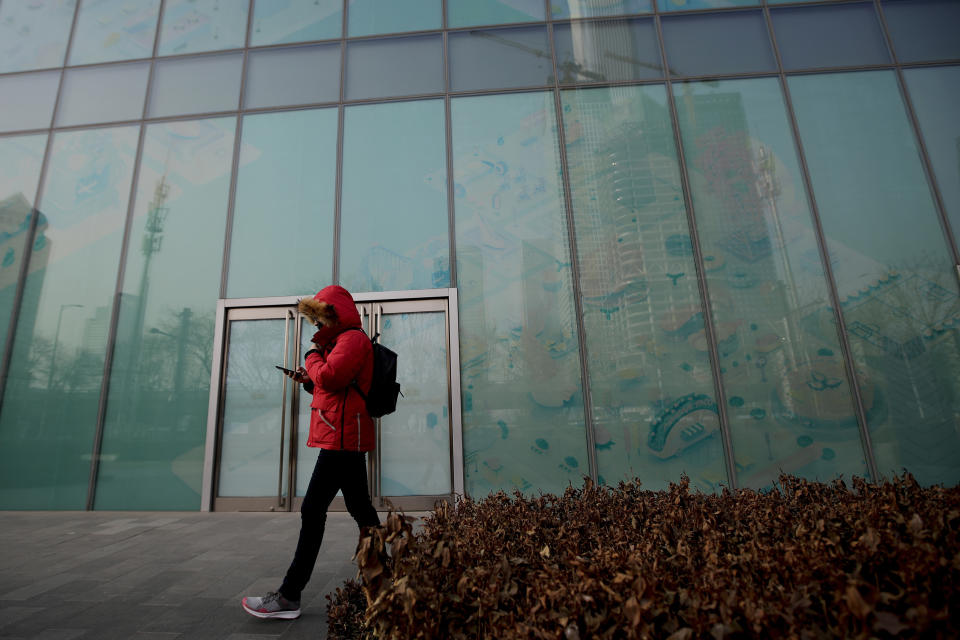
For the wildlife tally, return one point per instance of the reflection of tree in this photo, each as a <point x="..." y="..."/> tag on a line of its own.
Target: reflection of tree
<point x="904" y="337"/>
<point x="177" y="353"/>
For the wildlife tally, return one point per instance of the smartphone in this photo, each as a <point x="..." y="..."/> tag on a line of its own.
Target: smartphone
<point x="285" y="370"/>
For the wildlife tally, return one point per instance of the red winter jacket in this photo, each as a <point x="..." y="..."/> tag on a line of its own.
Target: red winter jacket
<point x="338" y="413"/>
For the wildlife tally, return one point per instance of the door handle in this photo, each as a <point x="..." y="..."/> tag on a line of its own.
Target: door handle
<point x="283" y="406"/>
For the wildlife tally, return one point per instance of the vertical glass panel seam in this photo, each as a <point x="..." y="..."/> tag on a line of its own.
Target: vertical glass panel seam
<point x="918" y="135"/>
<point x="112" y="328"/>
<point x="849" y="366"/>
<point x="31" y="233"/>
<point x="235" y="166"/>
<point x="845" y="348"/>
<point x="708" y="325"/>
<point x="574" y="263"/>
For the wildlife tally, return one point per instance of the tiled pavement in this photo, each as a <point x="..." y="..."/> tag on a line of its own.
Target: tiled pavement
<point x="104" y="575"/>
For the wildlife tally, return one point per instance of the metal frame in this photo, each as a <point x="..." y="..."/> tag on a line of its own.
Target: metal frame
<point x="447" y="95"/>
<point x="215" y="404"/>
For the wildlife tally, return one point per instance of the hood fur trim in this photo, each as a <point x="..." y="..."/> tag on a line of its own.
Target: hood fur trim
<point x="319" y="310"/>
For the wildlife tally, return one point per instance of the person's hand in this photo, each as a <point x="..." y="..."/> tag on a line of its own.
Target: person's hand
<point x="300" y="375"/>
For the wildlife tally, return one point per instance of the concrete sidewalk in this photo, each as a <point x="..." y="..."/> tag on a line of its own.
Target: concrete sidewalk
<point x="159" y="575"/>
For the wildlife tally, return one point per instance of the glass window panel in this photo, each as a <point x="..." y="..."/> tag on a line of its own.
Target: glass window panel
<point x="370" y="17"/>
<point x="415" y="440"/>
<point x="560" y="9"/>
<point x="50" y="403"/>
<point x="286" y="21"/>
<point x="500" y="58"/>
<point x="923" y="29"/>
<point x="831" y="36"/>
<point x="20" y="160"/>
<point x="720" y="43"/>
<point x="26" y="102"/>
<point x="156" y="422"/>
<point x="790" y="407"/>
<point x="109" y="30"/>
<point x="252" y="392"/>
<point x="895" y="277"/>
<point x="685" y="5"/>
<point x="33" y="35"/>
<point x="103" y="94"/>
<point x="282" y="237"/>
<point x="468" y="13"/>
<point x="523" y="422"/>
<point x="191" y="26"/>
<point x="394" y="67"/>
<point x="935" y="92"/>
<point x="301" y="75"/>
<point x="650" y="377"/>
<point x="394" y="236"/>
<point x="613" y="51"/>
<point x="195" y="85"/>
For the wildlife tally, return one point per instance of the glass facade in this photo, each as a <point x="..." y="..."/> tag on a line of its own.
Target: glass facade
<point x="705" y="237"/>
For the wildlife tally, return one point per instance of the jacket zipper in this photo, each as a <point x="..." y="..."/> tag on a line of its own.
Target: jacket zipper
<point x="343" y="415"/>
<point x="358" y="432"/>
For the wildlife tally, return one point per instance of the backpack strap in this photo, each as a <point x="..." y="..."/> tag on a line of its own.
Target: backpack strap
<point x="353" y="383"/>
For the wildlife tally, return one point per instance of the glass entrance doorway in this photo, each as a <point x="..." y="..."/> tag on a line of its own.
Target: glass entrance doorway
<point x="257" y="459"/>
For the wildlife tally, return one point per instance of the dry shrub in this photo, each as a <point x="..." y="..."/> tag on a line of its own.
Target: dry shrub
<point x="805" y="560"/>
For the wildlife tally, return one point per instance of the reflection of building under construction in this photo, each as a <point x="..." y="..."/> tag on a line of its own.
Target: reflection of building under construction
<point x="739" y="219"/>
<point x="628" y="228"/>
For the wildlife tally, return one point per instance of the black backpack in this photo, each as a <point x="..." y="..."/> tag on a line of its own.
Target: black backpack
<point x="384" y="388"/>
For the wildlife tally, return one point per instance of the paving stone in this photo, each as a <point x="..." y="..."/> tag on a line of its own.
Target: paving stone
<point x="105" y="575"/>
<point x="60" y="634"/>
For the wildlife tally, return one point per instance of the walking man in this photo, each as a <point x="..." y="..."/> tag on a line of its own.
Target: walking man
<point x="340" y="362"/>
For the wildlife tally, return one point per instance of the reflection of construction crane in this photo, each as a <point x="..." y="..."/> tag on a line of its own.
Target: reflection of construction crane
<point x="570" y="69"/>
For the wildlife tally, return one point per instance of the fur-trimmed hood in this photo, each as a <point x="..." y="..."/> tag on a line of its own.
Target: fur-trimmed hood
<point x="334" y="307"/>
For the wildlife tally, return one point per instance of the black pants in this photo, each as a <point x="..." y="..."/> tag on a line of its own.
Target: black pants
<point x="345" y="471"/>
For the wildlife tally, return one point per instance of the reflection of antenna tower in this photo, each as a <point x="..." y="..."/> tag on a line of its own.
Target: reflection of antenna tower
<point x="151" y="243"/>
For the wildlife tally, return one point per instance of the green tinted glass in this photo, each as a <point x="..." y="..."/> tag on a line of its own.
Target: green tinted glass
<point x="370" y="17"/>
<point x="109" y="30"/>
<point x="789" y="403"/>
<point x="394" y="198"/>
<point x="650" y="380"/>
<point x="49" y="413"/>
<point x="520" y="374"/>
<point x="153" y="439"/>
<point x="283" y="21"/>
<point x="190" y="26"/>
<point x="935" y="93"/>
<point x="33" y="35"/>
<point x="896" y="280"/>
<point x="467" y="13"/>
<point x="282" y="236"/>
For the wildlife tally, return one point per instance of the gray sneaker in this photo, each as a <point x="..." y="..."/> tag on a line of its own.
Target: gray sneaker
<point x="272" y="605"/>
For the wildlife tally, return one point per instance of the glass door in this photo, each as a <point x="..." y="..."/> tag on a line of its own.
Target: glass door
<point x="412" y="465"/>
<point x="262" y="462"/>
<point x="256" y="432"/>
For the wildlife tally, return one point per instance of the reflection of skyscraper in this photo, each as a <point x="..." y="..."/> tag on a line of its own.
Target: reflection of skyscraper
<point x="95" y="330"/>
<point x="15" y="219"/>
<point x="628" y="209"/>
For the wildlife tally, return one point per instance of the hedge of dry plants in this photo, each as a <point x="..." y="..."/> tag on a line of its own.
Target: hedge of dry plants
<point x="804" y="560"/>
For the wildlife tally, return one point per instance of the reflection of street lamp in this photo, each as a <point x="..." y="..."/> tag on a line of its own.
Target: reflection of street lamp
<point x="181" y="338"/>
<point x="56" y="337"/>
